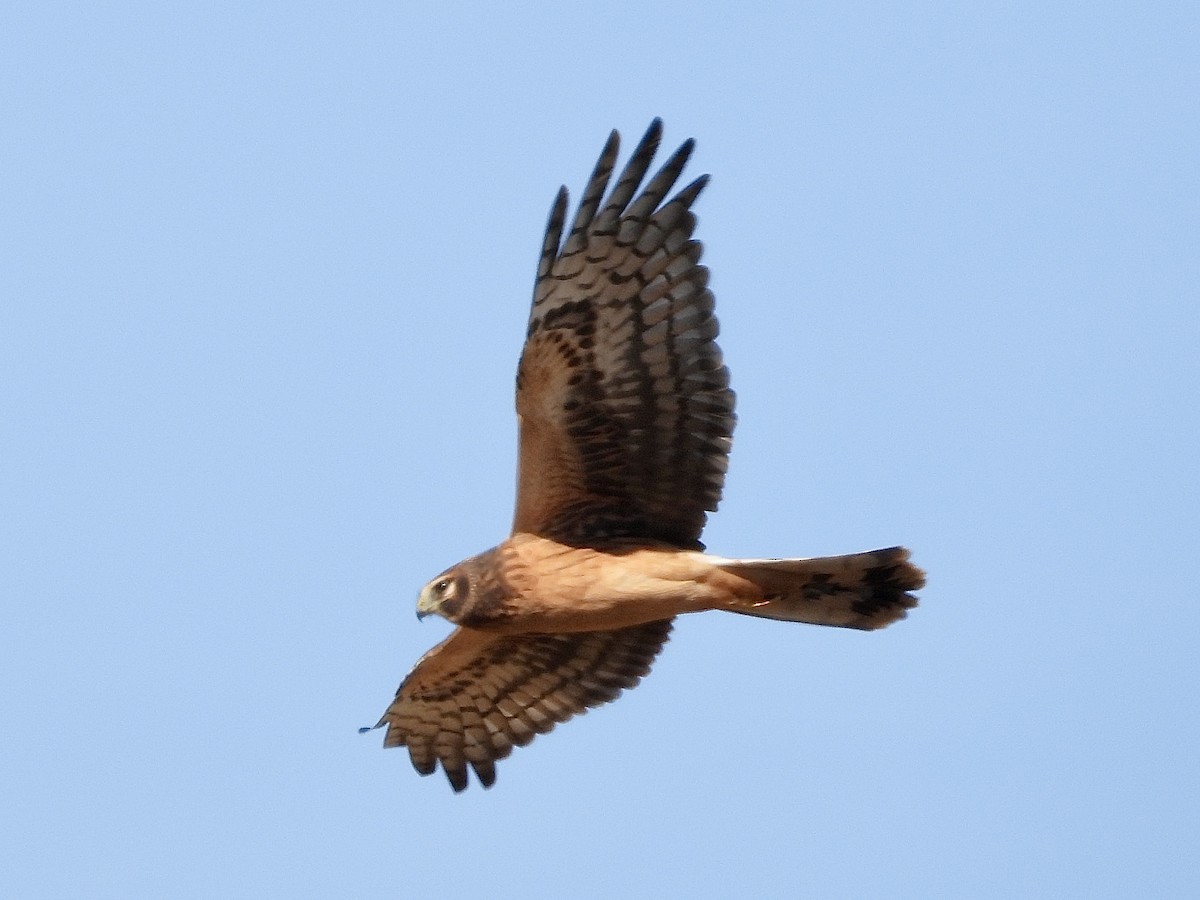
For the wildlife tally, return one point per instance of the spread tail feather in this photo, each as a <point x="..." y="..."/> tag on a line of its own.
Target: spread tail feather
<point x="859" y="590"/>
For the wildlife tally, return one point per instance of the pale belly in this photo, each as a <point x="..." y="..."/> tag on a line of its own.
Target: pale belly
<point x="571" y="589"/>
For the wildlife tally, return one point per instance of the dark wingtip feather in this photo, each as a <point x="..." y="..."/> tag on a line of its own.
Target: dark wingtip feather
<point x="688" y="195"/>
<point x="653" y="133"/>
<point x="597" y="184"/>
<point x="424" y="767"/>
<point x="554" y="230"/>
<point x="485" y="772"/>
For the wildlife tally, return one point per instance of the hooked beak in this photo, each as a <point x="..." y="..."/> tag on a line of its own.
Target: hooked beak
<point x="425" y="606"/>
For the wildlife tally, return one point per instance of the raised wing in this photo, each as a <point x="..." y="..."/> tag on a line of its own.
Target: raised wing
<point x="625" y="409"/>
<point x="476" y="695"/>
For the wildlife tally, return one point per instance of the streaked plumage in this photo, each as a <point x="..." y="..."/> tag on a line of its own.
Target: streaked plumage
<point x="625" y="418"/>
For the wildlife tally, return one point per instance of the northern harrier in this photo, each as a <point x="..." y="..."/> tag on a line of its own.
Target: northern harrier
<point x="625" y="419"/>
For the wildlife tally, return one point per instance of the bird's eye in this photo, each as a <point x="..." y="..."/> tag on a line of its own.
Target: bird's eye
<point x="442" y="588"/>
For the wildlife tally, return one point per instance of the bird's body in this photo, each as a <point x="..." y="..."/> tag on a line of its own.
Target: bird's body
<point x="543" y="585"/>
<point x="625" y="423"/>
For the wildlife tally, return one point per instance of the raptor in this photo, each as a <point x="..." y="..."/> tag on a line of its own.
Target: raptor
<point x="625" y="421"/>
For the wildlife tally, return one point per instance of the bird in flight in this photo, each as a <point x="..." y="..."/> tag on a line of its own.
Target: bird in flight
<point x="625" y="421"/>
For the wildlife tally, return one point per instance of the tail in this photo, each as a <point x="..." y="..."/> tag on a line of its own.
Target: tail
<point x="860" y="590"/>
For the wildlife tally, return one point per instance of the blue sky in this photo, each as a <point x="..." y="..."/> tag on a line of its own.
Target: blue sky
<point x="266" y="269"/>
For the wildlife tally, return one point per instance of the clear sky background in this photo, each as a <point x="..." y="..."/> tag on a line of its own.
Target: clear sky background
<point x="265" y="276"/>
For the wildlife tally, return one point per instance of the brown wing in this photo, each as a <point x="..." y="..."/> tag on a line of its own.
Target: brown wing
<point x="625" y="409"/>
<point x="476" y="695"/>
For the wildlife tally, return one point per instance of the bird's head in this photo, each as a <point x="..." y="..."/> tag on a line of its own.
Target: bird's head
<point x="444" y="596"/>
<point x="472" y="593"/>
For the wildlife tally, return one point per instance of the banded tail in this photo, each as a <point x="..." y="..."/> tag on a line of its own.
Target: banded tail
<point x="860" y="590"/>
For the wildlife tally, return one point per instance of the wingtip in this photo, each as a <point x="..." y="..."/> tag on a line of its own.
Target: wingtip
<point x="651" y="139"/>
<point x="688" y="195"/>
<point x="368" y="728"/>
<point x="558" y="208"/>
